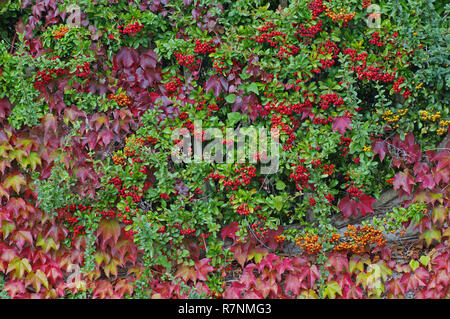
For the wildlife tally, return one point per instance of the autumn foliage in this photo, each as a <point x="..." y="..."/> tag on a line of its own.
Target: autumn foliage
<point x="92" y="204"/>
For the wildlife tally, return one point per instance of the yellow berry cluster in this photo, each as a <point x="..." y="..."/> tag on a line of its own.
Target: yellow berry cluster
<point x="392" y="117"/>
<point x="367" y="148"/>
<point x="443" y="124"/>
<point x="443" y="127"/>
<point x="425" y="116"/>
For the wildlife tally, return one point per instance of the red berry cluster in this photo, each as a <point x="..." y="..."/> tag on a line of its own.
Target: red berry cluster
<point x="376" y="39"/>
<point x="269" y="37"/>
<point x="330" y="198"/>
<point x="204" y="47"/>
<point x="44" y="77"/>
<point x="328" y="169"/>
<point x="305" y="34"/>
<point x="287" y="51"/>
<point x="260" y="229"/>
<point x="316" y="7"/>
<point x="243" y="209"/>
<point x="212" y="108"/>
<point x="316" y="163"/>
<point x="322" y="121"/>
<point x="172" y="85"/>
<point x="130" y="29"/>
<point x="187" y="61"/>
<point x="353" y="191"/>
<point x="246" y="174"/>
<point x="134" y="192"/>
<point x="326" y="100"/>
<point x="218" y="65"/>
<point x="300" y="176"/>
<point x="312" y="202"/>
<point x="82" y="70"/>
<point x="345" y="142"/>
<point x="66" y="213"/>
<point x="164" y="196"/>
<point x="398" y="89"/>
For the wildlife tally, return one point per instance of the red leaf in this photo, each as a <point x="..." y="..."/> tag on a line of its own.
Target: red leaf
<point x="365" y="204"/>
<point x="312" y="273"/>
<point x="102" y="289"/>
<point x="230" y="231"/>
<point x="14" y="287"/>
<point x="339" y="262"/>
<point x="213" y="83"/>
<point x="22" y="236"/>
<point x="443" y="159"/>
<point x="105" y="136"/>
<point x="127" y="57"/>
<point x="348" y="207"/>
<point x="15" y="181"/>
<point x="379" y="147"/>
<point x="202" y="267"/>
<point x="395" y="287"/>
<point x="403" y="180"/>
<point x="148" y="59"/>
<point x="341" y="124"/>
<point x="294" y="284"/>
<point x="417" y="279"/>
<point x="49" y="122"/>
<point x="5" y="108"/>
<point x="427" y="181"/>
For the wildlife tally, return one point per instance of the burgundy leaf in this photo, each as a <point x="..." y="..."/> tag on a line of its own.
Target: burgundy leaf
<point x="380" y="147"/>
<point x="341" y="124"/>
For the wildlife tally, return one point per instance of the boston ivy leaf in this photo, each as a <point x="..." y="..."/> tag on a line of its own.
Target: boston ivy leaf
<point x="341" y="124"/>
<point x="15" y="181"/>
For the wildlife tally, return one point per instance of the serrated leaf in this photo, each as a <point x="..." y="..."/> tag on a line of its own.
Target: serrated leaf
<point x="332" y="289"/>
<point x="15" y="182"/>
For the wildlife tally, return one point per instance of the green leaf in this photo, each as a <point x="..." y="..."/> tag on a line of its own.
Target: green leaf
<point x="234" y="117"/>
<point x="424" y="260"/>
<point x="280" y="185"/>
<point x="278" y="203"/>
<point x="230" y="98"/>
<point x="414" y="264"/>
<point x="253" y="87"/>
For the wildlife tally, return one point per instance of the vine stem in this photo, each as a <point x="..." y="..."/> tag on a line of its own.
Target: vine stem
<point x="12" y="44"/>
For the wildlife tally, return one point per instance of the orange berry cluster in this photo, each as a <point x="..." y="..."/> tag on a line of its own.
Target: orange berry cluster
<point x="358" y="238"/>
<point x="118" y="160"/>
<point x="121" y="99"/>
<point x="58" y="34"/>
<point x="341" y="16"/>
<point x="280" y="238"/>
<point x="309" y="243"/>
